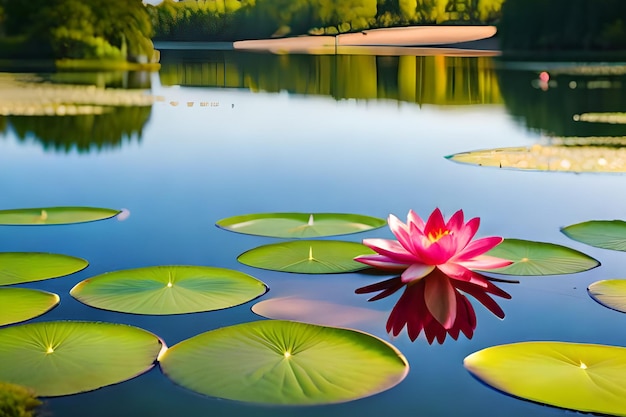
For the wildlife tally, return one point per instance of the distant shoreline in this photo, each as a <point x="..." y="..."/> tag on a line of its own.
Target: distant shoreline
<point x="455" y="40"/>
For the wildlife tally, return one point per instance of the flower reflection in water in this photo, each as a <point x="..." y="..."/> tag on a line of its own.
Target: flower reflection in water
<point x="436" y="305"/>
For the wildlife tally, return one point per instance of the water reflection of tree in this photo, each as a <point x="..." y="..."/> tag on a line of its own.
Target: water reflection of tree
<point x="550" y="107"/>
<point x="419" y="79"/>
<point x="83" y="133"/>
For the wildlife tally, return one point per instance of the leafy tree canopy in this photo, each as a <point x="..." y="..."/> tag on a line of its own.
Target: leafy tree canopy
<point x="83" y="29"/>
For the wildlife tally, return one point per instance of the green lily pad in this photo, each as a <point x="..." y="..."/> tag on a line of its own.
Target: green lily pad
<point x="300" y="225"/>
<point x="21" y="304"/>
<point x="20" y="267"/>
<point x="610" y="293"/>
<point x="582" y="377"/>
<point x="62" y="358"/>
<point x="307" y="256"/>
<point x="170" y="289"/>
<point x="54" y="215"/>
<point x="606" y="234"/>
<point x="540" y="258"/>
<point x="285" y="362"/>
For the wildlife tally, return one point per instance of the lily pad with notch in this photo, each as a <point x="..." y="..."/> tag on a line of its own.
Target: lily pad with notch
<point x="68" y="357"/>
<point x="300" y="225"/>
<point x="575" y="376"/>
<point x="307" y="256"/>
<point x="285" y="363"/>
<point x="170" y="289"/>
<point x="21" y="267"/>
<point x="540" y="258"/>
<point x="54" y="215"/>
<point x="21" y="304"/>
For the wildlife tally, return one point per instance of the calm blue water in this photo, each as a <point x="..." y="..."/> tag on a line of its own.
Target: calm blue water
<point x="251" y="151"/>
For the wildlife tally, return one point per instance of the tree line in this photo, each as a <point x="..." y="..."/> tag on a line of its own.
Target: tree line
<point x="94" y="29"/>
<point x="227" y="20"/>
<point x="124" y="29"/>
<point x="539" y="25"/>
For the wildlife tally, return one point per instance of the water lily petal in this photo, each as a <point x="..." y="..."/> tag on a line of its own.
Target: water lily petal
<point x="435" y="223"/>
<point x="440" y="299"/>
<point x="413" y="218"/>
<point x="382" y="262"/>
<point x="478" y="247"/>
<point x="416" y="271"/>
<point x="485" y="262"/>
<point x="436" y="253"/>
<point x="461" y="273"/>
<point x="401" y="231"/>
<point x="391" y="249"/>
<point x="467" y="233"/>
<point x="456" y="222"/>
<point x="443" y="249"/>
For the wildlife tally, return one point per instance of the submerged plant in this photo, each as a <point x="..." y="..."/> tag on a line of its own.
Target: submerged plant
<point x="436" y="260"/>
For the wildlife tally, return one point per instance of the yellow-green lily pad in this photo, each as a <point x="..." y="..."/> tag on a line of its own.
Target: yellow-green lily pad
<point x="171" y="289"/>
<point x="21" y="304"/>
<point x="583" y="377"/>
<point x="54" y="215"/>
<point x="610" y="293"/>
<point x="555" y="158"/>
<point x="285" y="362"/>
<point x="68" y="357"/>
<point x="21" y="267"/>
<point x="300" y="225"/>
<point x="307" y="256"/>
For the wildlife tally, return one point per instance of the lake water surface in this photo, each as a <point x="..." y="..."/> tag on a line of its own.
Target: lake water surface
<point x="235" y="133"/>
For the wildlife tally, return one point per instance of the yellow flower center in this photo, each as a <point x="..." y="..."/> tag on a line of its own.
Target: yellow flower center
<point x="435" y="236"/>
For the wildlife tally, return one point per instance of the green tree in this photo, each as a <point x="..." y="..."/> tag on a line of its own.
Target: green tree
<point x="83" y="29"/>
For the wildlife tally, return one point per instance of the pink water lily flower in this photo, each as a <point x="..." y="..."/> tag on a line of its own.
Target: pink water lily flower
<point x="423" y="246"/>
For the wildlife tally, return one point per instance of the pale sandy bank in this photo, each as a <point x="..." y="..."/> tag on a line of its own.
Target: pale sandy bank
<point x="393" y="39"/>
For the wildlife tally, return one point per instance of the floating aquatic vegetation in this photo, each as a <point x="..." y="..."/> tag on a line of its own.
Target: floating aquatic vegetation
<point x="306" y="256"/>
<point x="540" y="258"/>
<point x="21" y="304"/>
<point x="300" y="225"/>
<point x="172" y="289"/>
<point x="606" y="234"/>
<point x="613" y="118"/>
<point x="28" y="95"/>
<point x="582" y="377"/>
<point x="68" y="357"/>
<point x="21" y="267"/>
<point x="54" y="215"/>
<point x="436" y="260"/>
<point x="423" y="246"/>
<point x="549" y="158"/>
<point x="284" y="362"/>
<point x="610" y="293"/>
